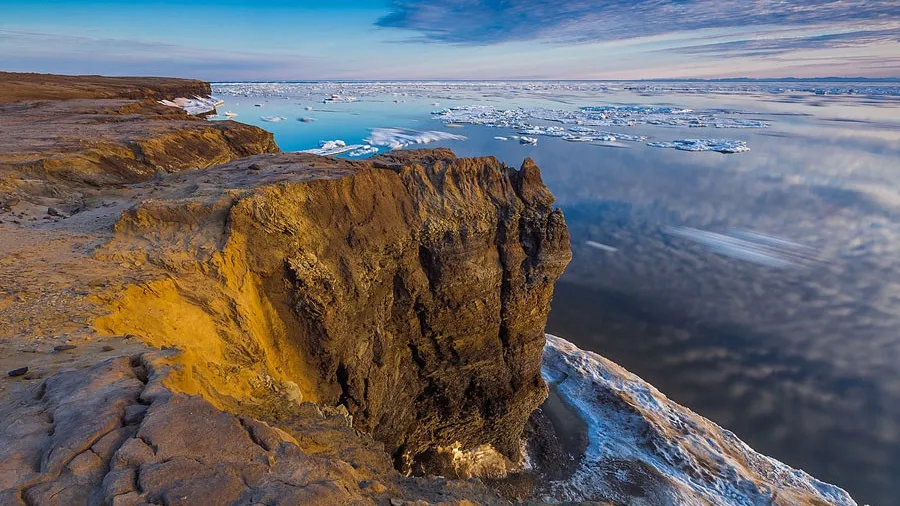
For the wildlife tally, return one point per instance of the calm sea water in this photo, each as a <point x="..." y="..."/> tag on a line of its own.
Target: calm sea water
<point x="800" y="359"/>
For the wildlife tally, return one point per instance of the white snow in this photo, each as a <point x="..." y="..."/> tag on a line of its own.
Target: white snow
<point x="641" y="440"/>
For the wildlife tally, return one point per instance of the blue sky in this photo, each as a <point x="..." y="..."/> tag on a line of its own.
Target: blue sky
<point x="458" y="39"/>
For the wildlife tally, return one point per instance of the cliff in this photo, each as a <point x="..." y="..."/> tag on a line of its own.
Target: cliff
<point x="19" y="87"/>
<point x="189" y="317"/>
<point x="106" y="131"/>
<point x="412" y="289"/>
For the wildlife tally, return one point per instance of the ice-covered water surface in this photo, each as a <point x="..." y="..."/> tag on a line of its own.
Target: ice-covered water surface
<point x="719" y="145"/>
<point x="646" y="449"/>
<point x="580" y="123"/>
<point x="399" y="138"/>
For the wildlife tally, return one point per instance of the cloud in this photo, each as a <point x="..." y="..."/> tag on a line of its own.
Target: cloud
<point x="473" y="22"/>
<point x="787" y="43"/>
<point x="31" y="51"/>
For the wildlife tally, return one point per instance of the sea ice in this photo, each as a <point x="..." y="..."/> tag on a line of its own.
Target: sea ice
<point x="528" y="140"/>
<point x="365" y="150"/>
<point x="272" y="119"/>
<point x="399" y="138"/>
<point x="720" y="145"/>
<point x="328" y="148"/>
<point x="196" y="105"/>
<point x="645" y="449"/>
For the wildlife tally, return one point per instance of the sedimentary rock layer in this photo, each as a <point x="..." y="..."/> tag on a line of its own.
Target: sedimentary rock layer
<point x="106" y="131"/>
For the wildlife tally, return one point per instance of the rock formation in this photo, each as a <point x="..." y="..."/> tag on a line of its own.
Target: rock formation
<point x="108" y="131"/>
<point x="413" y="289"/>
<point x="295" y="329"/>
<point x="113" y="434"/>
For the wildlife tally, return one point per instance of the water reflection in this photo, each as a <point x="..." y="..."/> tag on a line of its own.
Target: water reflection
<point x="801" y="362"/>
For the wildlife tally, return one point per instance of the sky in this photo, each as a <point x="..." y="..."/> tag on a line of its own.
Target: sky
<point x="453" y="39"/>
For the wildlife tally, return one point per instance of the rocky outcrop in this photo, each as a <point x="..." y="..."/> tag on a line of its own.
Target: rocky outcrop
<point x="412" y="289"/>
<point x="112" y="434"/>
<point x="19" y="87"/>
<point x="107" y="131"/>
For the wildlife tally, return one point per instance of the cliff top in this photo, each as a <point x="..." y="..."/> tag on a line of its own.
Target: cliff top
<point x="19" y="87"/>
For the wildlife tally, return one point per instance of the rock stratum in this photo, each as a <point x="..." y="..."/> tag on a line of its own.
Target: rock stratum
<point x="189" y="316"/>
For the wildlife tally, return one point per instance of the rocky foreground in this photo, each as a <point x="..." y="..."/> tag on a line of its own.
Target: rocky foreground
<point x="188" y="316"/>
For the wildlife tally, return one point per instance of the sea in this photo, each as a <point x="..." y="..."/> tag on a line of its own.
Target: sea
<point x="736" y="243"/>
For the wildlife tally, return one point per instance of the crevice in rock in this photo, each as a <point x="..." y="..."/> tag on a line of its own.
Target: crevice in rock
<point x="343" y="378"/>
<point x="252" y="435"/>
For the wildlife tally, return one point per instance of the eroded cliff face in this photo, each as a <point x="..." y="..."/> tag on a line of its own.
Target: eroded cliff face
<point x="412" y="289"/>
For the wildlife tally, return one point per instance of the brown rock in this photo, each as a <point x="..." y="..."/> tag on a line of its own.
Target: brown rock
<point x="413" y="289"/>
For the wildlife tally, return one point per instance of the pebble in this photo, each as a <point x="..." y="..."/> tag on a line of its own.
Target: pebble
<point x="107" y="348"/>
<point x="53" y="212"/>
<point x="64" y="347"/>
<point x="17" y="372"/>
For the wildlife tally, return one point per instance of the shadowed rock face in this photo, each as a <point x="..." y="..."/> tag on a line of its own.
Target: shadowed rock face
<point x="412" y="289"/>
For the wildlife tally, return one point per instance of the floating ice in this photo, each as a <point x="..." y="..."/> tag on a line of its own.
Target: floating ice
<point x="499" y="138"/>
<point x="585" y="117"/>
<point x="306" y="119"/>
<point x="339" y="98"/>
<point x="328" y="148"/>
<point x="196" y="105"/>
<point x="230" y="114"/>
<point x="528" y="140"/>
<point x="645" y="449"/>
<point x="720" y="145"/>
<point x="750" y="246"/>
<point x="272" y="119"/>
<point x="399" y="138"/>
<point x="364" y="150"/>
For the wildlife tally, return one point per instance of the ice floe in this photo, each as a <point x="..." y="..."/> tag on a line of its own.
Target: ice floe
<point x="399" y="138"/>
<point x="750" y="246"/>
<point x="196" y="105"/>
<point x="528" y="140"/>
<point x="645" y="449"/>
<point x="272" y="119"/>
<point x="337" y="147"/>
<point x="720" y="145"/>
<point x="592" y="116"/>
<point x="339" y="98"/>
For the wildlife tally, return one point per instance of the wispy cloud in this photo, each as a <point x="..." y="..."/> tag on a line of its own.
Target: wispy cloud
<point x="474" y="22"/>
<point x="47" y="52"/>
